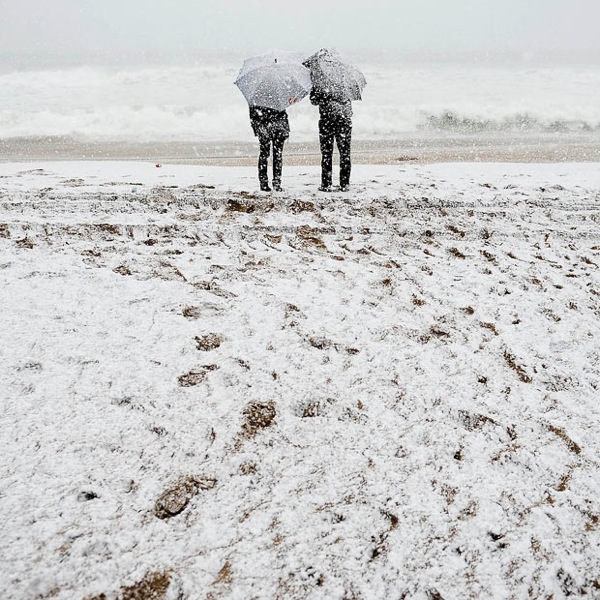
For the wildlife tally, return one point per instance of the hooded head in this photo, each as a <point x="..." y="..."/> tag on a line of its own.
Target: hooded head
<point x="323" y="53"/>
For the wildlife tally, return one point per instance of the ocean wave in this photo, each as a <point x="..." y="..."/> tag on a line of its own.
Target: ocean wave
<point x="142" y="123"/>
<point x="189" y="122"/>
<point x="450" y="121"/>
<point x="202" y="103"/>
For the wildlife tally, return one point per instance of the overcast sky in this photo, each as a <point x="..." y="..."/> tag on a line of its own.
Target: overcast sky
<point x="531" y="28"/>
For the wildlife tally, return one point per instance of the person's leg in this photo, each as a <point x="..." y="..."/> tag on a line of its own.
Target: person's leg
<point x="263" y="162"/>
<point x="326" y="143"/>
<point x="344" y="139"/>
<point x="278" y="142"/>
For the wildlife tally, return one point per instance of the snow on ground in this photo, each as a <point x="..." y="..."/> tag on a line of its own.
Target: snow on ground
<point x="209" y="392"/>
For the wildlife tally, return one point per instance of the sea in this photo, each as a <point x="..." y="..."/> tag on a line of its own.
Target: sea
<point x="194" y="100"/>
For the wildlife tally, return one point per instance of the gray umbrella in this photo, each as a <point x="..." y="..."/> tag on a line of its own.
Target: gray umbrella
<point x="332" y="74"/>
<point x="275" y="79"/>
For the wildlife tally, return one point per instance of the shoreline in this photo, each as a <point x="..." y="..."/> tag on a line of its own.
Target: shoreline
<point x="412" y="148"/>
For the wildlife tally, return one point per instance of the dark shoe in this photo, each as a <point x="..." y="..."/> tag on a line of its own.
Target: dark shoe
<point x="325" y="188"/>
<point x="344" y="188"/>
<point x="277" y="187"/>
<point x="264" y="187"/>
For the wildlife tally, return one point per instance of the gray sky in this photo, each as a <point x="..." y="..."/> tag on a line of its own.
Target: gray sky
<point x="530" y="28"/>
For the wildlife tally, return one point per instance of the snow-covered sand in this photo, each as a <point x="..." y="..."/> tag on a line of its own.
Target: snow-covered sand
<point x="213" y="393"/>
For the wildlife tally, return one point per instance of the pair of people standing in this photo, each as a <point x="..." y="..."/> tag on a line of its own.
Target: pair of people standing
<point x="335" y="125"/>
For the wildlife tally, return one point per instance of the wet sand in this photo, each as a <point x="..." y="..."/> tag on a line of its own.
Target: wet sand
<point x="412" y="148"/>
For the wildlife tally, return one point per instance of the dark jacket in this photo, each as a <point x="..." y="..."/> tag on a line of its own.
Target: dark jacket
<point x="331" y="107"/>
<point x="269" y="123"/>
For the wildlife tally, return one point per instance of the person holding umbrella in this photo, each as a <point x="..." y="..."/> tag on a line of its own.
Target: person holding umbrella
<point x="270" y="83"/>
<point x="335" y="124"/>
<point x="272" y="128"/>
<point x="335" y="83"/>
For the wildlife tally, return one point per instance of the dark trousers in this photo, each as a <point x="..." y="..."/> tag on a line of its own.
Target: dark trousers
<point x="340" y="131"/>
<point x="263" y="159"/>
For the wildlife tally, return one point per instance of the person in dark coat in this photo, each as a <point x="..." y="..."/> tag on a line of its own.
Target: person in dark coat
<point x="335" y="124"/>
<point x="272" y="128"/>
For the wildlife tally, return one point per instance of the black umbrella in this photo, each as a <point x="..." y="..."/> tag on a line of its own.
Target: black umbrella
<point x="333" y="75"/>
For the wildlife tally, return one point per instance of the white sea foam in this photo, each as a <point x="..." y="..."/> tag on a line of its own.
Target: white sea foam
<point x="201" y="102"/>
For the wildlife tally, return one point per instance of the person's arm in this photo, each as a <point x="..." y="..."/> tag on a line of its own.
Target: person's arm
<point x="254" y="119"/>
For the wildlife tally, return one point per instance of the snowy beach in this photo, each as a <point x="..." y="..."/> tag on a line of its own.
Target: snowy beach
<point x="210" y="392"/>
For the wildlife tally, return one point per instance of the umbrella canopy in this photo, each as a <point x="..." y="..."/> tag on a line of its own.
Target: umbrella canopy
<point x="332" y="74"/>
<point x="275" y="80"/>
